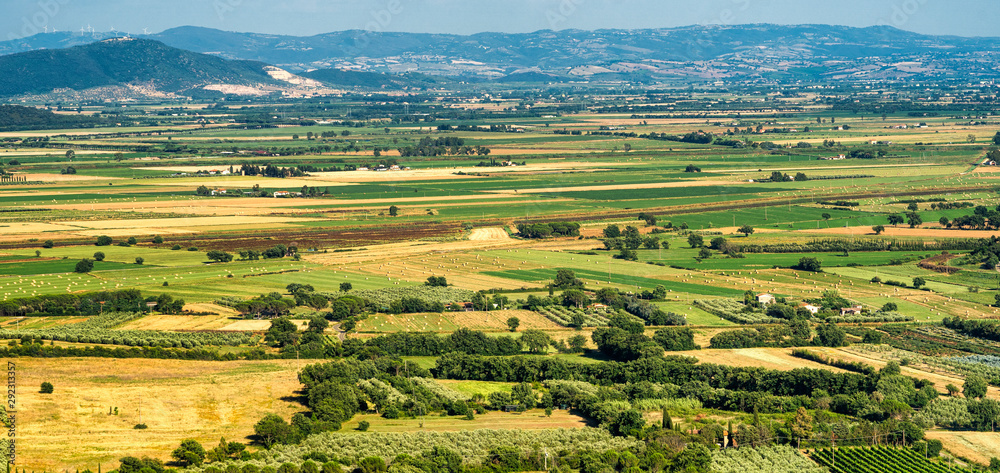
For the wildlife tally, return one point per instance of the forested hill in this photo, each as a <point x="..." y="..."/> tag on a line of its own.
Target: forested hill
<point x="119" y="62"/>
<point x="17" y="118"/>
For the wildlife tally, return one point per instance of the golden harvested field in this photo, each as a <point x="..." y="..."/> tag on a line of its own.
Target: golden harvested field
<point x="51" y="177"/>
<point x="181" y="322"/>
<point x="770" y="358"/>
<point x="494" y="233"/>
<point x="497" y="320"/>
<point x="976" y="446"/>
<point x="203" y="400"/>
<point x="939" y="377"/>
<point x="247" y="325"/>
<point x="190" y="222"/>
<point x="494" y="321"/>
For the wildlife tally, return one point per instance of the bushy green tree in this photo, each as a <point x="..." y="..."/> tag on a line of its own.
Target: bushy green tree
<point x="84" y="266"/>
<point x="975" y="387"/>
<point x="190" y="453"/>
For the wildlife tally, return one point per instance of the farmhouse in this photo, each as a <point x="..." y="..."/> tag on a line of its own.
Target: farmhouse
<point x="218" y="191"/>
<point x="279" y="194"/>
<point x="765" y="299"/>
<point x="856" y="310"/>
<point x="811" y="308"/>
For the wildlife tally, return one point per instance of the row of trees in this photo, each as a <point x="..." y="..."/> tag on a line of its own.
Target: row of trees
<point x="545" y="230"/>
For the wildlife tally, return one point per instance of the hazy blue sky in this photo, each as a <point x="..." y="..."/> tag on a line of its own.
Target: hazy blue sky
<point x="308" y="17"/>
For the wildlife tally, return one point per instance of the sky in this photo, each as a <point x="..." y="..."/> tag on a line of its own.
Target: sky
<point x="309" y="17"/>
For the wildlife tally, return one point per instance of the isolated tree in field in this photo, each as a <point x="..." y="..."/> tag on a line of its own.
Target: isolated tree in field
<point x="202" y="190"/>
<point x="132" y="241"/>
<point x="103" y="240"/>
<point x="913" y="207"/>
<point x="271" y="429"/>
<point x="974" y="387"/>
<point x="536" y="341"/>
<point x="826" y="216"/>
<point x="627" y="255"/>
<point x="913" y="219"/>
<point x="919" y="282"/>
<point x="158" y="240"/>
<point x="651" y="243"/>
<point x="84" y="266"/>
<point x="99" y="256"/>
<point x="943" y="221"/>
<point x="38" y="253"/>
<point x="895" y="219"/>
<point x="952" y="389"/>
<point x="46" y="388"/>
<point x="346" y="287"/>
<point x="436" y="281"/>
<point x="746" y="230"/>
<point x="190" y="453"/>
<point x="696" y="240"/>
<point x="565" y="279"/>
<point x="612" y="231"/>
<point x="70" y="154"/>
<point x="890" y="307"/>
<point x="996" y="139"/>
<point x="139" y="260"/>
<point x="878" y="229"/>
<point x="810" y="264"/>
<point x="219" y="256"/>
<point x="513" y="323"/>
<point x="393" y="211"/>
<point x="119" y="157"/>
<point x="704" y="253"/>
<point x="971" y="138"/>
<point x="48" y="244"/>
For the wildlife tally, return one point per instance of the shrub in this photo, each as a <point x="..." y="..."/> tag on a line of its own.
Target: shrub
<point x="48" y="244"/>
<point x="99" y="256"/>
<point x="175" y="247"/>
<point x="46" y="388"/>
<point x="103" y="240"/>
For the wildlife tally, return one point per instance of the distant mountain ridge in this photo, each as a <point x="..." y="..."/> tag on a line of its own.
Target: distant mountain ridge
<point x="705" y="53"/>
